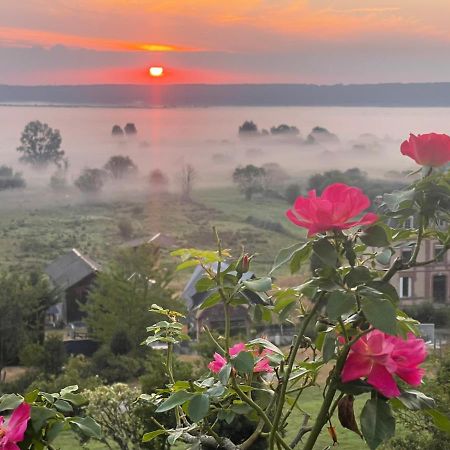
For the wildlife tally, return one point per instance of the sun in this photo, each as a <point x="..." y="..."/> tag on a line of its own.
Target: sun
<point x="156" y="71"/>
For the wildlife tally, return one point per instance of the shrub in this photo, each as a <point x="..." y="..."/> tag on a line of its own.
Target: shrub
<point x="90" y="181"/>
<point x="55" y="355"/>
<point x="125" y="228"/>
<point x="120" y="166"/>
<point x="120" y="343"/>
<point x="427" y="313"/>
<point x="32" y="355"/>
<point x="292" y="192"/>
<point x="10" y="179"/>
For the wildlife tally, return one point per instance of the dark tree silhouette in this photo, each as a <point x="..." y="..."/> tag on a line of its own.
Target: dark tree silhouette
<point x="120" y="166"/>
<point x="10" y="179"/>
<point x="117" y="131"/>
<point x="248" y="128"/>
<point x="285" y="129"/>
<point x="40" y="145"/>
<point x="90" y="181"/>
<point x="250" y="179"/>
<point x="130" y="128"/>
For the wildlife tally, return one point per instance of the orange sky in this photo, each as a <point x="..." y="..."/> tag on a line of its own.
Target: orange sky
<point x="201" y="41"/>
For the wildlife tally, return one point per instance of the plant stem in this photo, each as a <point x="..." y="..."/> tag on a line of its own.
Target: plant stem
<point x="287" y="373"/>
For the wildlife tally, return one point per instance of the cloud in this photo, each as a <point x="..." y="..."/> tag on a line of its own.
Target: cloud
<point x="21" y="37"/>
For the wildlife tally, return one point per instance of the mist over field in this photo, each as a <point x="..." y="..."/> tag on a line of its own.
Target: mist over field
<point x="207" y="139"/>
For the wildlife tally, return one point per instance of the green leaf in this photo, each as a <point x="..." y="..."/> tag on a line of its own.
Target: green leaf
<point x="358" y="275"/>
<point x="198" y="407"/>
<point x="224" y="374"/>
<point x="398" y="199"/>
<point x="216" y="391"/>
<point x="325" y="252"/>
<point x="377" y="422"/>
<point x="174" y="436"/>
<point x="299" y="257"/>
<point x="152" y="435"/>
<point x="415" y="400"/>
<point x="10" y="401"/>
<point x="204" y="284"/>
<point x="440" y="420"/>
<point x="40" y="415"/>
<point x="385" y="256"/>
<point x="63" y="406"/>
<point x="68" y="389"/>
<point x="285" y="255"/>
<point x="75" y="399"/>
<point x="375" y="236"/>
<point x="86" y="426"/>
<point x="211" y="300"/>
<point x="259" y="285"/>
<point x="176" y="399"/>
<point x="187" y="265"/>
<point x="379" y="312"/>
<point x="266" y="344"/>
<point x="329" y="347"/>
<point x="227" y="415"/>
<point x="244" y="362"/>
<point x="339" y="302"/>
<point x="356" y="387"/>
<point x="32" y="396"/>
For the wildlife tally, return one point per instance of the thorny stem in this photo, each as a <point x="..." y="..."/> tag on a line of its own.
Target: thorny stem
<point x="287" y="373"/>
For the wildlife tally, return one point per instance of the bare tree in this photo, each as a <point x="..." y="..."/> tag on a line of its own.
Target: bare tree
<point x="188" y="176"/>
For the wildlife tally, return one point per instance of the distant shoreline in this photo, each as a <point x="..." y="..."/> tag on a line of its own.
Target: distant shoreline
<point x="388" y="95"/>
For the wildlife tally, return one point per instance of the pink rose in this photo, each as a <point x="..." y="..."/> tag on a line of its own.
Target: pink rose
<point x="378" y="357"/>
<point x="14" y="431"/>
<point x="332" y="210"/>
<point x="430" y="149"/>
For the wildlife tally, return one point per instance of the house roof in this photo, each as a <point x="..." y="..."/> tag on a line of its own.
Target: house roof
<point x="70" y="269"/>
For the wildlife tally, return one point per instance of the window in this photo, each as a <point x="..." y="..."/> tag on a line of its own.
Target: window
<point x="438" y="249"/>
<point x="440" y="288"/>
<point x="406" y="254"/>
<point x="405" y="287"/>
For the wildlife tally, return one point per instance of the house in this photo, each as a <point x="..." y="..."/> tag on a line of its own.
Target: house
<point x="73" y="275"/>
<point x="429" y="283"/>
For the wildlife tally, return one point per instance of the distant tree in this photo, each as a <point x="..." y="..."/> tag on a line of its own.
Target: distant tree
<point x="130" y="128"/>
<point x="120" y="166"/>
<point x="248" y="128"/>
<point x="58" y="181"/>
<point x="117" y="130"/>
<point x="40" y="145"/>
<point x="320" y="134"/>
<point x="292" y="192"/>
<point x="125" y="228"/>
<point x="285" y="129"/>
<point x="158" y="180"/>
<point x="10" y="179"/>
<point x="90" y="181"/>
<point x="187" y="178"/>
<point x="250" y="179"/>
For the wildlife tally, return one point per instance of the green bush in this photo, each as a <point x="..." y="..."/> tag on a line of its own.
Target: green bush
<point x="427" y="313"/>
<point x="32" y="355"/>
<point x="55" y="355"/>
<point x="120" y="343"/>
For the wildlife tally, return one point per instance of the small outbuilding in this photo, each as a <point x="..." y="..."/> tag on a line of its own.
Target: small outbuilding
<point x="73" y="274"/>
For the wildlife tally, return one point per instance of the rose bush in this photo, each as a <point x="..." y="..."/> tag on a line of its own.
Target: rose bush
<point x="369" y="343"/>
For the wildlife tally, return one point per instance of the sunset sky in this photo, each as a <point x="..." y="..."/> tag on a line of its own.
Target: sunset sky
<point x="229" y="41"/>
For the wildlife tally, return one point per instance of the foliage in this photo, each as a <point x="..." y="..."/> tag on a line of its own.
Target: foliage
<point x="291" y="192"/>
<point x="427" y="313"/>
<point x="24" y="300"/>
<point x="120" y="343"/>
<point x="123" y="293"/>
<point x="360" y="337"/>
<point x="158" y="179"/>
<point x="117" y="130"/>
<point x="55" y="355"/>
<point x="248" y="128"/>
<point x="187" y="177"/>
<point x="250" y="179"/>
<point x="119" y="166"/>
<point x="90" y="181"/>
<point x="40" y="145"/>
<point x="353" y="177"/>
<point x="285" y="129"/>
<point x="51" y="414"/>
<point x="10" y="179"/>
<point x="130" y="128"/>
<point x="123" y="417"/>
